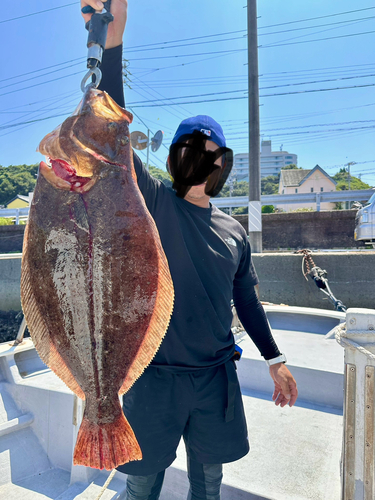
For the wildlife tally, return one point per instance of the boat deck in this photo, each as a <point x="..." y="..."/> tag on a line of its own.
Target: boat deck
<point x="295" y="452"/>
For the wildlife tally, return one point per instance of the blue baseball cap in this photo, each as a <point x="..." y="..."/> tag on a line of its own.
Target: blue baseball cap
<point x="204" y="124"/>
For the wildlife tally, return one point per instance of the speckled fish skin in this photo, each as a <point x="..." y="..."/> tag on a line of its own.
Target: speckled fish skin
<point x="96" y="289"/>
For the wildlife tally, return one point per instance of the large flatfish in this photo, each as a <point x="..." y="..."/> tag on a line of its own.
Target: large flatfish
<point x="96" y="288"/>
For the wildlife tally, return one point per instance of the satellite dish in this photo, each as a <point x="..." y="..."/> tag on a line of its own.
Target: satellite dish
<point x="138" y="140"/>
<point x="157" y="140"/>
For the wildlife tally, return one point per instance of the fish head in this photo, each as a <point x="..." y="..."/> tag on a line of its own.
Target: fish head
<point x="93" y="138"/>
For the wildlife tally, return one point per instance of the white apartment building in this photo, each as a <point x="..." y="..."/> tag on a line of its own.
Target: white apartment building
<point x="271" y="162"/>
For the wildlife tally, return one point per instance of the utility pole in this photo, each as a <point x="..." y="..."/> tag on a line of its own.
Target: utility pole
<point x="255" y="206"/>
<point x="349" y="165"/>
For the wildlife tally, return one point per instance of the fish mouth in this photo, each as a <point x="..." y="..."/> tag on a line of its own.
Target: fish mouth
<point x="62" y="175"/>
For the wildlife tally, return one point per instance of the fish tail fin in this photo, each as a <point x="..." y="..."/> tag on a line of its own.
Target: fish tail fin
<point x="106" y="446"/>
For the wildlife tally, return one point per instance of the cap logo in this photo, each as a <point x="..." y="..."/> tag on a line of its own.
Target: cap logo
<point x="206" y="132"/>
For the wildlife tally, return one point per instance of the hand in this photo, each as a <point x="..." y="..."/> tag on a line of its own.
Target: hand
<point x="285" y="386"/>
<point x="119" y="9"/>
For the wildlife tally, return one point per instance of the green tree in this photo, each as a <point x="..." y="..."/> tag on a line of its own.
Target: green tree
<point x="239" y="188"/>
<point x="292" y="166"/>
<point x="342" y="181"/>
<point x="270" y="184"/>
<point x="16" y="179"/>
<point x="268" y="209"/>
<point x="5" y="221"/>
<point x="240" y="211"/>
<point x="161" y="175"/>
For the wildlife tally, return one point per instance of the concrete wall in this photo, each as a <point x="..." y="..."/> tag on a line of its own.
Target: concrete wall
<point x="351" y="277"/>
<point x="314" y="230"/>
<point x="11" y="238"/>
<point x="10" y="279"/>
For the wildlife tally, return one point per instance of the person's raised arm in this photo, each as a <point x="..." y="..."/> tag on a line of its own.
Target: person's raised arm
<point x="119" y="9"/>
<point x="112" y="83"/>
<point x="111" y="66"/>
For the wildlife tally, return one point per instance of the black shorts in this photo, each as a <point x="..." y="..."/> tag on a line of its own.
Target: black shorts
<point x="162" y="406"/>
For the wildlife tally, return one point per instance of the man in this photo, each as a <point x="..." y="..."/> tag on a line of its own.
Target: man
<point x="191" y="390"/>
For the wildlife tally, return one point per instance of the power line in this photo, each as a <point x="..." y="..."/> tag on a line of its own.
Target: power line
<point x="184" y="45"/>
<point x="289" y="73"/>
<point x="43" y="69"/>
<point x="186" y="39"/>
<point x="41" y="83"/>
<point x="264" y="75"/>
<point x="324" y="137"/>
<point x="41" y="100"/>
<point x="3" y="127"/>
<point x="232" y="81"/>
<point x="152" y="100"/>
<point x="187" y="63"/>
<point x="36" y="13"/>
<point x="316" y="40"/>
<point x="266" y="131"/>
<point x="191" y="96"/>
<point x="190" y="55"/>
<point x="166" y="45"/>
<point x="315" y="18"/>
<point x="319" y="90"/>
<point x="261" y="27"/>
<point x="156" y="92"/>
<point x="40" y="112"/>
<point x="316" y="26"/>
<point x="260" y="47"/>
<point x="314" y="31"/>
<point x="245" y="97"/>
<point x="39" y="76"/>
<point x="314" y="131"/>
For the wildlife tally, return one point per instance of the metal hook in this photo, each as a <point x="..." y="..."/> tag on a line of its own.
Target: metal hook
<point x="98" y="78"/>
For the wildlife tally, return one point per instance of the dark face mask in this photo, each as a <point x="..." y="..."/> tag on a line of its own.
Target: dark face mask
<point x="191" y="165"/>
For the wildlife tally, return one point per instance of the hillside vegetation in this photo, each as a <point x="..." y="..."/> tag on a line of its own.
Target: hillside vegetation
<point x="16" y="179"/>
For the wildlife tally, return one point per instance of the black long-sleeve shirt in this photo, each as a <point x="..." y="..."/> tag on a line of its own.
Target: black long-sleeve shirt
<point x="210" y="261"/>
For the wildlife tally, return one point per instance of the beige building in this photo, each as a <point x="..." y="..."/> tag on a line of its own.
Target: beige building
<point x="19" y="201"/>
<point x="305" y="181"/>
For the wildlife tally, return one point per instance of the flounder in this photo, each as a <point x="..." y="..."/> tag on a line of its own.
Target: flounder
<point x="96" y="288"/>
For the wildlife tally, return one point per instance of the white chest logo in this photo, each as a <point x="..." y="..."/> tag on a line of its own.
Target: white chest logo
<point x="231" y="241"/>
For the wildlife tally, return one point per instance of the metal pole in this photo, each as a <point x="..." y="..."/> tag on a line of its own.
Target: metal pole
<point x="255" y="207"/>
<point x="148" y="148"/>
<point x="349" y="165"/>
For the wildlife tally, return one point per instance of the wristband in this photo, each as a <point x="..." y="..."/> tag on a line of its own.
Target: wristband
<point x="274" y="361"/>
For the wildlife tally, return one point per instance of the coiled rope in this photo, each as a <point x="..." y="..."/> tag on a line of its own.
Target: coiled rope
<point x="340" y="335"/>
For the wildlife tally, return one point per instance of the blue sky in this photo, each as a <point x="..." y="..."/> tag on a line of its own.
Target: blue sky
<point x="325" y="127"/>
